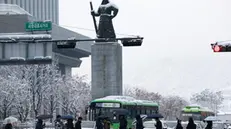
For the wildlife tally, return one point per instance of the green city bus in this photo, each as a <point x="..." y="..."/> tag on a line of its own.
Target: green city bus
<point x="107" y="105"/>
<point x="198" y="113"/>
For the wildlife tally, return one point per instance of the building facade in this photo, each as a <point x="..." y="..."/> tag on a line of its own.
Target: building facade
<point x="41" y="9"/>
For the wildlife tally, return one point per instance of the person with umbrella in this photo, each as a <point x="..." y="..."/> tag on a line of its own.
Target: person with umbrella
<point x="191" y="124"/>
<point x="58" y="123"/>
<point x="107" y="123"/>
<point x="39" y="124"/>
<point x="69" y="124"/>
<point x="8" y="125"/>
<point x="123" y="122"/>
<point x="78" y="123"/>
<point x="99" y="124"/>
<point x="179" y="126"/>
<point x="158" y="123"/>
<point x="209" y="125"/>
<point x="139" y="122"/>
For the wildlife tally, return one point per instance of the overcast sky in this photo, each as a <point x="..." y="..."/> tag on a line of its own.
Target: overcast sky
<point x="176" y="55"/>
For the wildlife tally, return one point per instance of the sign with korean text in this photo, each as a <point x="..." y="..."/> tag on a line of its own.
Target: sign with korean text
<point x="38" y="26"/>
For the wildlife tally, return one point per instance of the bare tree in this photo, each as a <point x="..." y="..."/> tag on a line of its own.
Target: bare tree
<point x="53" y="82"/>
<point x="22" y="102"/>
<point x="26" y="89"/>
<point x="171" y="107"/>
<point x="142" y="94"/>
<point x="7" y="95"/>
<point x="209" y="99"/>
<point x="76" y="95"/>
<point x="36" y="85"/>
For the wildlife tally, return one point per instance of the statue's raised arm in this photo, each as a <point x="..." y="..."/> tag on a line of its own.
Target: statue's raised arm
<point x="106" y="11"/>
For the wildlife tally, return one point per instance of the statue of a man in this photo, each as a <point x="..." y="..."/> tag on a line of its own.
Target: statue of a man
<point x="107" y="11"/>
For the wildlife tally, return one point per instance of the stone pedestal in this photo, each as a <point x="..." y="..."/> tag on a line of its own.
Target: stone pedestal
<point x="106" y="61"/>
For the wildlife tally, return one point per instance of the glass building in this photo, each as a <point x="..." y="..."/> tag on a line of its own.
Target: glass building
<point x="41" y="9"/>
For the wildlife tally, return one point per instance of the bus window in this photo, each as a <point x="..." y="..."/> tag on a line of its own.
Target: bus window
<point x="133" y="113"/>
<point x="142" y="111"/>
<point x="148" y="111"/>
<point x="139" y="111"/>
<point x="153" y="111"/>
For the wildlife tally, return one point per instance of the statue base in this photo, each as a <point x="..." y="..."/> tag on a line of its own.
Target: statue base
<point x="106" y="58"/>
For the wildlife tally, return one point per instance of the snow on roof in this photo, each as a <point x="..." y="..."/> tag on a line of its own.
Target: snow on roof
<point x="12" y="9"/>
<point x="206" y="108"/>
<point x="221" y="113"/>
<point x="224" y="113"/>
<point x="194" y="105"/>
<point x="119" y="98"/>
<point x="224" y="43"/>
<point x="124" y="99"/>
<point x="7" y="36"/>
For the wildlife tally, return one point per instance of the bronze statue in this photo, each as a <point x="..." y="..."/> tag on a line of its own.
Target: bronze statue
<point x="105" y="27"/>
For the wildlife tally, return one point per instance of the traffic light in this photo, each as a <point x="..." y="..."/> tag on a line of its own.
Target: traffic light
<point x="221" y="48"/>
<point x="132" y="42"/>
<point x="66" y="44"/>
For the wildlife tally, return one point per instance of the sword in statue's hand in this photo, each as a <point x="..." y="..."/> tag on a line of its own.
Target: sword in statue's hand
<point x="94" y="20"/>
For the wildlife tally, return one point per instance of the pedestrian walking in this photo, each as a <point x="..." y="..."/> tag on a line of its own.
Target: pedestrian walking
<point x="191" y="124"/>
<point x="209" y="125"/>
<point x="58" y="123"/>
<point x="139" y="122"/>
<point x="179" y="126"/>
<point x="78" y="123"/>
<point x="123" y="122"/>
<point x="158" y="124"/>
<point x="8" y="125"/>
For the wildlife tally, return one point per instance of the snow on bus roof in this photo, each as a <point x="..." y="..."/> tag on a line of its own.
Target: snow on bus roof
<point x="196" y="106"/>
<point x="206" y="109"/>
<point x="193" y="105"/>
<point x="118" y="98"/>
<point x="124" y="99"/>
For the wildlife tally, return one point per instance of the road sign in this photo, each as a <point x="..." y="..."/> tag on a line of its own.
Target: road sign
<point x="38" y="26"/>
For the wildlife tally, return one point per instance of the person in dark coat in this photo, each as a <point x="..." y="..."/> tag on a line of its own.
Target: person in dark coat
<point x="139" y="122"/>
<point x="39" y="124"/>
<point x="179" y="126"/>
<point x="209" y="125"/>
<point x="158" y="124"/>
<point x="123" y="122"/>
<point x="78" y="123"/>
<point x="99" y="124"/>
<point x="69" y="124"/>
<point x="107" y="123"/>
<point x="8" y="125"/>
<point x="191" y="124"/>
<point x="58" y="123"/>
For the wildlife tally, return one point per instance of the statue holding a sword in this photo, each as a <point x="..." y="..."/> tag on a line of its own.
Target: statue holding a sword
<point x="106" y="11"/>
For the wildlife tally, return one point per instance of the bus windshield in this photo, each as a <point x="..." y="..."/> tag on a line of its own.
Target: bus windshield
<point x="103" y="109"/>
<point x="195" y="116"/>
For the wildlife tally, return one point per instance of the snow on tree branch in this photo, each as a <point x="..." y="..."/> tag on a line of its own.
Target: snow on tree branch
<point x="30" y="90"/>
<point x="209" y="99"/>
